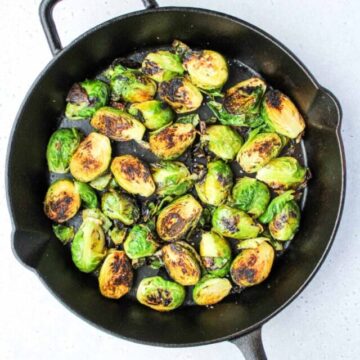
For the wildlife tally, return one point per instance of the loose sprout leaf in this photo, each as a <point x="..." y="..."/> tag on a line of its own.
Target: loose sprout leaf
<point x="212" y="93"/>
<point x="224" y="117"/>
<point x="189" y="119"/>
<point x="101" y="182"/>
<point x="87" y="194"/>
<point x="64" y="233"/>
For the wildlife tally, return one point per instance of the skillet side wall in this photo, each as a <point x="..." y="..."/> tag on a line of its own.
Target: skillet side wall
<point x="27" y="174"/>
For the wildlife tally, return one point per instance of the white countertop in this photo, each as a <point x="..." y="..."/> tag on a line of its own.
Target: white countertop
<point x="322" y="323"/>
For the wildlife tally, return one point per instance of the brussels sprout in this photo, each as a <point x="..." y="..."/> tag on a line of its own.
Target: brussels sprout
<point x="215" y="253"/>
<point x="283" y="173"/>
<point x="120" y="207"/>
<point x="251" y="243"/>
<point x="207" y="69"/>
<point x="223" y="141"/>
<point x="62" y="201"/>
<point x="140" y="242"/>
<point x="116" y="275"/>
<point x="251" y="196"/>
<point x="171" y="178"/>
<point x="252" y="265"/>
<point x="84" y="98"/>
<point x="181" y="95"/>
<point x="234" y="223"/>
<point x="88" y="247"/>
<point x="133" y="175"/>
<point x="160" y="294"/>
<point x="117" y="235"/>
<point x="181" y="264"/>
<point x="176" y="219"/>
<point x="64" y="233"/>
<point x="97" y="216"/>
<point x="91" y="158"/>
<point x="154" y="113"/>
<point x="258" y="150"/>
<point x="130" y="85"/>
<point x="214" y="188"/>
<point x="117" y="124"/>
<point x="61" y="146"/>
<point x="281" y="114"/>
<point x="87" y="195"/>
<point x="162" y="65"/>
<point x="101" y="182"/>
<point x="245" y="97"/>
<point x="211" y="290"/>
<point x="172" y="141"/>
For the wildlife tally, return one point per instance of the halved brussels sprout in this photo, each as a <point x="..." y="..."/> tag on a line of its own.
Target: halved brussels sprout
<point x="253" y="265"/>
<point x="64" y="233"/>
<point x="211" y="290"/>
<point x="258" y="150"/>
<point x="207" y="69"/>
<point x="215" y="187"/>
<point x="140" y="242"/>
<point x="87" y="195"/>
<point x="181" y="264"/>
<point x="88" y="247"/>
<point x="116" y="275"/>
<point x="251" y="196"/>
<point x="223" y="141"/>
<point x="234" y="223"/>
<point x="62" y="201"/>
<point x="176" y="219"/>
<point x="117" y="235"/>
<point x="101" y="182"/>
<point x="162" y="65"/>
<point x="97" y="216"/>
<point x="155" y="113"/>
<point x="120" y="207"/>
<point x="281" y="114"/>
<point x="215" y="253"/>
<point x="91" y="158"/>
<point x="245" y="97"/>
<point x="160" y="294"/>
<point x="181" y="95"/>
<point x="60" y="148"/>
<point x="84" y="98"/>
<point x="117" y="124"/>
<point x="171" y="178"/>
<point x="133" y="175"/>
<point x="172" y="141"/>
<point x="283" y="173"/>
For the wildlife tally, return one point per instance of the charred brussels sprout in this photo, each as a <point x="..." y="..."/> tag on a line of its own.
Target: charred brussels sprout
<point x="215" y="253"/>
<point x="101" y="182"/>
<point x="234" y="223"/>
<point x="117" y="124"/>
<point x="162" y="65"/>
<point x="283" y="173"/>
<point x="176" y="219"/>
<point x="214" y="188"/>
<point x="154" y="113"/>
<point x="223" y="141"/>
<point x="211" y="290"/>
<point x="207" y="69"/>
<point x="245" y="97"/>
<point x="84" y="98"/>
<point x="116" y="275"/>
<point x="181" y="264"/>
<point x="181" y="95"/>
<point x="140" y="242"/>
<point x="258" y="150"/>
<point x="133" y="175"/>
<point x="160" y="294"/>
<point x="281" y="114"/>
<point x="119" y="206"/>
<point x="253" y="264"/>
<point x="91" y="158"/>
<point x="171" y="178"/>
<point x="87" y="195"/>
<point x="62" y="201"/>
<point x="172" y="141"/>
<point x="61" y="146"/>
<point x="64" y="233"/>
<point x="251" y="196"/>
<point x="88" y="247"/>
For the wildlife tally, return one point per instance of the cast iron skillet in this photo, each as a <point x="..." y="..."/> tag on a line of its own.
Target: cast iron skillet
<point x="237" y="320"/>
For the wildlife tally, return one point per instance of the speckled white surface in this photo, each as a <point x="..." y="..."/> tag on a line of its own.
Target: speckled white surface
<point x="324" y="322"/>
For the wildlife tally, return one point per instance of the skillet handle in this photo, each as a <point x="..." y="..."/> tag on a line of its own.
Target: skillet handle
<point x="251" y="345"/>
<point x="49" y="27"/>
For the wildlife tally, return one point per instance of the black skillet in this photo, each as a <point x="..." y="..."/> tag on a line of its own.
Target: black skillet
<point x="239" y="318"/>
